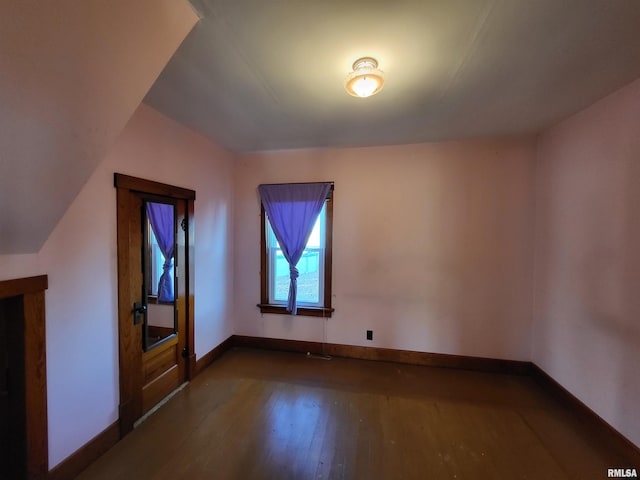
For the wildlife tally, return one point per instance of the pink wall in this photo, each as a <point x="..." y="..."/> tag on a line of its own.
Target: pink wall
<point x="432" y="246"/>
<point x="19" y="266"/>
<point x="587" y="261"/>
<point x="80" y="259"/>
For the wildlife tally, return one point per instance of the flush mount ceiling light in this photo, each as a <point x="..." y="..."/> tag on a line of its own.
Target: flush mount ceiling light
<point x="366" y="79"/>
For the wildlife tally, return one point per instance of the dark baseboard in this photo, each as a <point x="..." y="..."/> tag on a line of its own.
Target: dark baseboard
<point x="83" y="457"/>
<point x="585" y="414"/>
<point x="71" y="466"/>
<point x="489" y="365"/>
<point x="207" y="359"/>
<point x="298" y="346"/>
<point x="481" y="364"/>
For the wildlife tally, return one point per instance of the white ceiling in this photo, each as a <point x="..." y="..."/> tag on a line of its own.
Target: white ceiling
<point x="261" y="75"/>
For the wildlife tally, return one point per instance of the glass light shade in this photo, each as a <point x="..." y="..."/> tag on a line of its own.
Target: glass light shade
<point x="366" y="79"/>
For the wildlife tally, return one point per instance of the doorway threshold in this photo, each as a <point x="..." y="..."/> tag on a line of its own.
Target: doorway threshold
<point x="157" y="406"/>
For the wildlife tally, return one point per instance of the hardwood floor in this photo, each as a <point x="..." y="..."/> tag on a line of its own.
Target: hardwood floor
<point x="269" y="415"/>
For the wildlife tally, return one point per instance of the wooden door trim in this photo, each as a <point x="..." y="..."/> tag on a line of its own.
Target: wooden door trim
<point x="154" y="188"/>
<point x="20" y="286"/>
<point x="32" y="293"/>
<point x="130" y="339"/>
<point x="190" y="283"/>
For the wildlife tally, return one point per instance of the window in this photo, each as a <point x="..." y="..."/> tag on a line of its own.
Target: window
<point x="158" y="271"/>
<point x="154" y="263"/>
<point x="314" y="281"/>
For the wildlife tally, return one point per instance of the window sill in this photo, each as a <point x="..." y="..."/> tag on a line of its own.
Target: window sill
<point x="304" y="311"/>
<point x="153" y="299"/>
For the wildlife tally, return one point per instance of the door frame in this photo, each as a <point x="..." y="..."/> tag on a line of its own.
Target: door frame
<point x="130" y="335"/>
<point x="29" y="310"/>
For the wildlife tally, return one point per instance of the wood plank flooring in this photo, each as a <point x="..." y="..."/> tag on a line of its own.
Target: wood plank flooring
<point x="269" y="415"/>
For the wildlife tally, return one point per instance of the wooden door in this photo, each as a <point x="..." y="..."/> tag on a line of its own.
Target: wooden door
<point x="163" y="321"/>
<point x="155" y="333"/>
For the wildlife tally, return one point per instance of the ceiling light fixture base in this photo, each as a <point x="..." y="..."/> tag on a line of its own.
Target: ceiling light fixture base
<point x="366" y="79"/>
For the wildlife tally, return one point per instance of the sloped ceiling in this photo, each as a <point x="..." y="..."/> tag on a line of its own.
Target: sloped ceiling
<point x="71" y="75"/>
<point x="260" y="75"/>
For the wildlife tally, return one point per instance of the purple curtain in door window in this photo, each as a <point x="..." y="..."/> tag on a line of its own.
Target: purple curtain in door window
<point x="161" y="218"/>
<point x="292" y="210"/>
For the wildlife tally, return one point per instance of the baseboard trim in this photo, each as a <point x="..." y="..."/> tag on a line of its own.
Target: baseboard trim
<point x="481" y="364"/>
<point x="604" y="429"/>
<point x="208" y="358"/>
<point x="78" y="461"/>
<point x="71" y="466"/>
<point x="84" y="456"/>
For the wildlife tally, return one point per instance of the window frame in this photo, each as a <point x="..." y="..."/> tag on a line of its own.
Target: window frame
<point x="325" y="310"/>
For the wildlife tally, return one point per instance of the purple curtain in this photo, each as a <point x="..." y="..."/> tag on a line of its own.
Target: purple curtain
<point x="292" y="210"/>
<point x="161" y="218"/>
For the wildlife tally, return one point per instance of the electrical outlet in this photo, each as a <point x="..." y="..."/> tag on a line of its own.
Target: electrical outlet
<point x="369" y="334"/>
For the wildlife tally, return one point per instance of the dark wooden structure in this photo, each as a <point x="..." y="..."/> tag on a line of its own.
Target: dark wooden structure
<point x="23" y="388"/>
